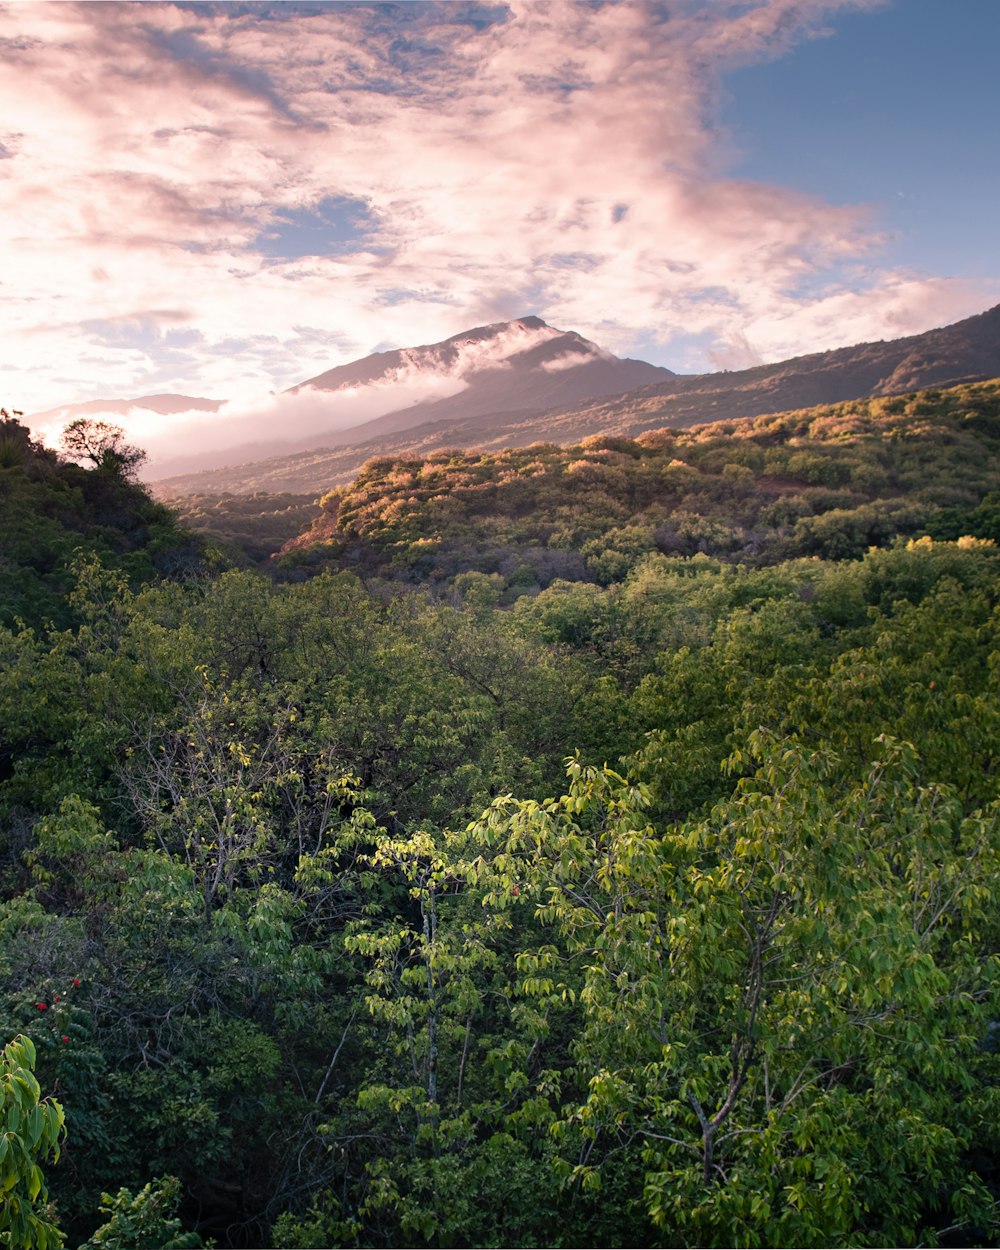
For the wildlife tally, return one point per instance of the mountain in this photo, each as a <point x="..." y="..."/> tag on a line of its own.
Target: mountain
<point x="966" y="351"/>
<point x="512" y="366"/>
<point x="515" y="367"/>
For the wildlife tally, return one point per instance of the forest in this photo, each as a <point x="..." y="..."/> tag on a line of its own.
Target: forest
<point x="587" y="846"/>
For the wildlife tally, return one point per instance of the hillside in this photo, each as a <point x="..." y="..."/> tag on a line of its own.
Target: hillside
<point x="966" y="351"/>
<point x="828" y="481"/>
<point x="54" y="514"/>
<point x="555" y="789"/>
<point x="969" y="350"/>
<point x="249" y="528"/>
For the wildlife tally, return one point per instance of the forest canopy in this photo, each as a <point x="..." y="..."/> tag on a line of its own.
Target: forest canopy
<point x="649" y="896"/>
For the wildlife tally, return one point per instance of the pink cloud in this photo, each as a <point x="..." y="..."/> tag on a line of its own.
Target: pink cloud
<point x="157" y="145"/>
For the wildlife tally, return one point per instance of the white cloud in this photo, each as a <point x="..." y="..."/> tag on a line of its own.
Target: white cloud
<point x="571" y="359"/>
<point x="280" y="420"/>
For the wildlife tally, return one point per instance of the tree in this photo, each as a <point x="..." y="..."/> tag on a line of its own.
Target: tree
<point x="446" y="1139"/>
<point x="103" y="445"/>
<point x="778" y="999"/>
<point x="15" y="441"/>
<point x="145" y="1219"/>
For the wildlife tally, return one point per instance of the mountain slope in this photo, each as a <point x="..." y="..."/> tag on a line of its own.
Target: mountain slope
<point x="965" y="351"/>
<point x="831" y="481"/>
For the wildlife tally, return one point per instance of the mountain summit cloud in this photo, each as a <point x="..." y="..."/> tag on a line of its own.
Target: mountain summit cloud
<point x="511" y="366"/>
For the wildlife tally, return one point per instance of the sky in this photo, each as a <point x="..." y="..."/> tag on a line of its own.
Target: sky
<point x="226" y="199"/>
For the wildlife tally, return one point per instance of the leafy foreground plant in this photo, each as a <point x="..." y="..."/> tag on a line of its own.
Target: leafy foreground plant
<point x="32" y="1129"/>
<point x="143" y="1220"/>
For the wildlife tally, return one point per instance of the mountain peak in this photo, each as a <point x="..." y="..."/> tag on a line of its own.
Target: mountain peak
<point x="523" y="365"/>
<point x="521" y="401"/>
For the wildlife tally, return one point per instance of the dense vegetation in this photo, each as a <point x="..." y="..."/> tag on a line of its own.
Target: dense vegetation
<point x="51" y="509"/>
<point x="248" y="528"/>
<point x="655" y="907"/>
<point x="828" y="481"/>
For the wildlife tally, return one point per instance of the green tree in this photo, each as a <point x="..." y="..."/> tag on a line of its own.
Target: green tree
<point x="460" y="1075"/>
<point x="139" y="1221"/>
<point x="776" y="999"/>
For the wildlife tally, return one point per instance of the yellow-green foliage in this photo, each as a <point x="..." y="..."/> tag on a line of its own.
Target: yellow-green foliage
<point x="829" y="481"/>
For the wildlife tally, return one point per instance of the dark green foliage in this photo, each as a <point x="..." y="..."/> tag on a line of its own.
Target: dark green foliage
<point x="52" y="511"/>
<point x="255" y="526"/>
<point x="143" y="1220"/>
<point x="31" y="1131"/>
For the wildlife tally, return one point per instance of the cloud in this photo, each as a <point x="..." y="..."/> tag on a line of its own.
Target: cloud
<point x="257" y="423"/>
<point x="548" y="156"/>
<point x="570" y="360"/>
<point x="281" y="420"/>
<point x="901" y="305"/>
<point x="734" y="353"/>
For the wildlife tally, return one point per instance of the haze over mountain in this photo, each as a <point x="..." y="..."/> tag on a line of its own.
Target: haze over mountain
<point x="511" y="367"/>
<point x="965" y="351"/>
<point x="516" y="366"/>
<point x="161" y="405"/>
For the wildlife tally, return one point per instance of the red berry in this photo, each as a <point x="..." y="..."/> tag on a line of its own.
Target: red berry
<point x="41" y="1006"/>
<point x="76" y="982"/>
<point x="65" y="1038"/>
<point x="56" y="999"/>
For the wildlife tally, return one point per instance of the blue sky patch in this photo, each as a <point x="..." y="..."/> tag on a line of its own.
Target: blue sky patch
<point x="336" y="225"/>
<point x="893" y="112"/>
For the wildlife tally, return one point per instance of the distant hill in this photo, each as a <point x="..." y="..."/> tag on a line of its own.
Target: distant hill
<point x="164" y="405"/>
<point x="512" y="366"/>
<point x="966" y="351"/>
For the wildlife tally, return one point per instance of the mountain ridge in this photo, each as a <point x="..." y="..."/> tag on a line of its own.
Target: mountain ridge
<point x="573" y="370"/>
<point x="164" y="404"/>
<point x="965" y="351"/>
